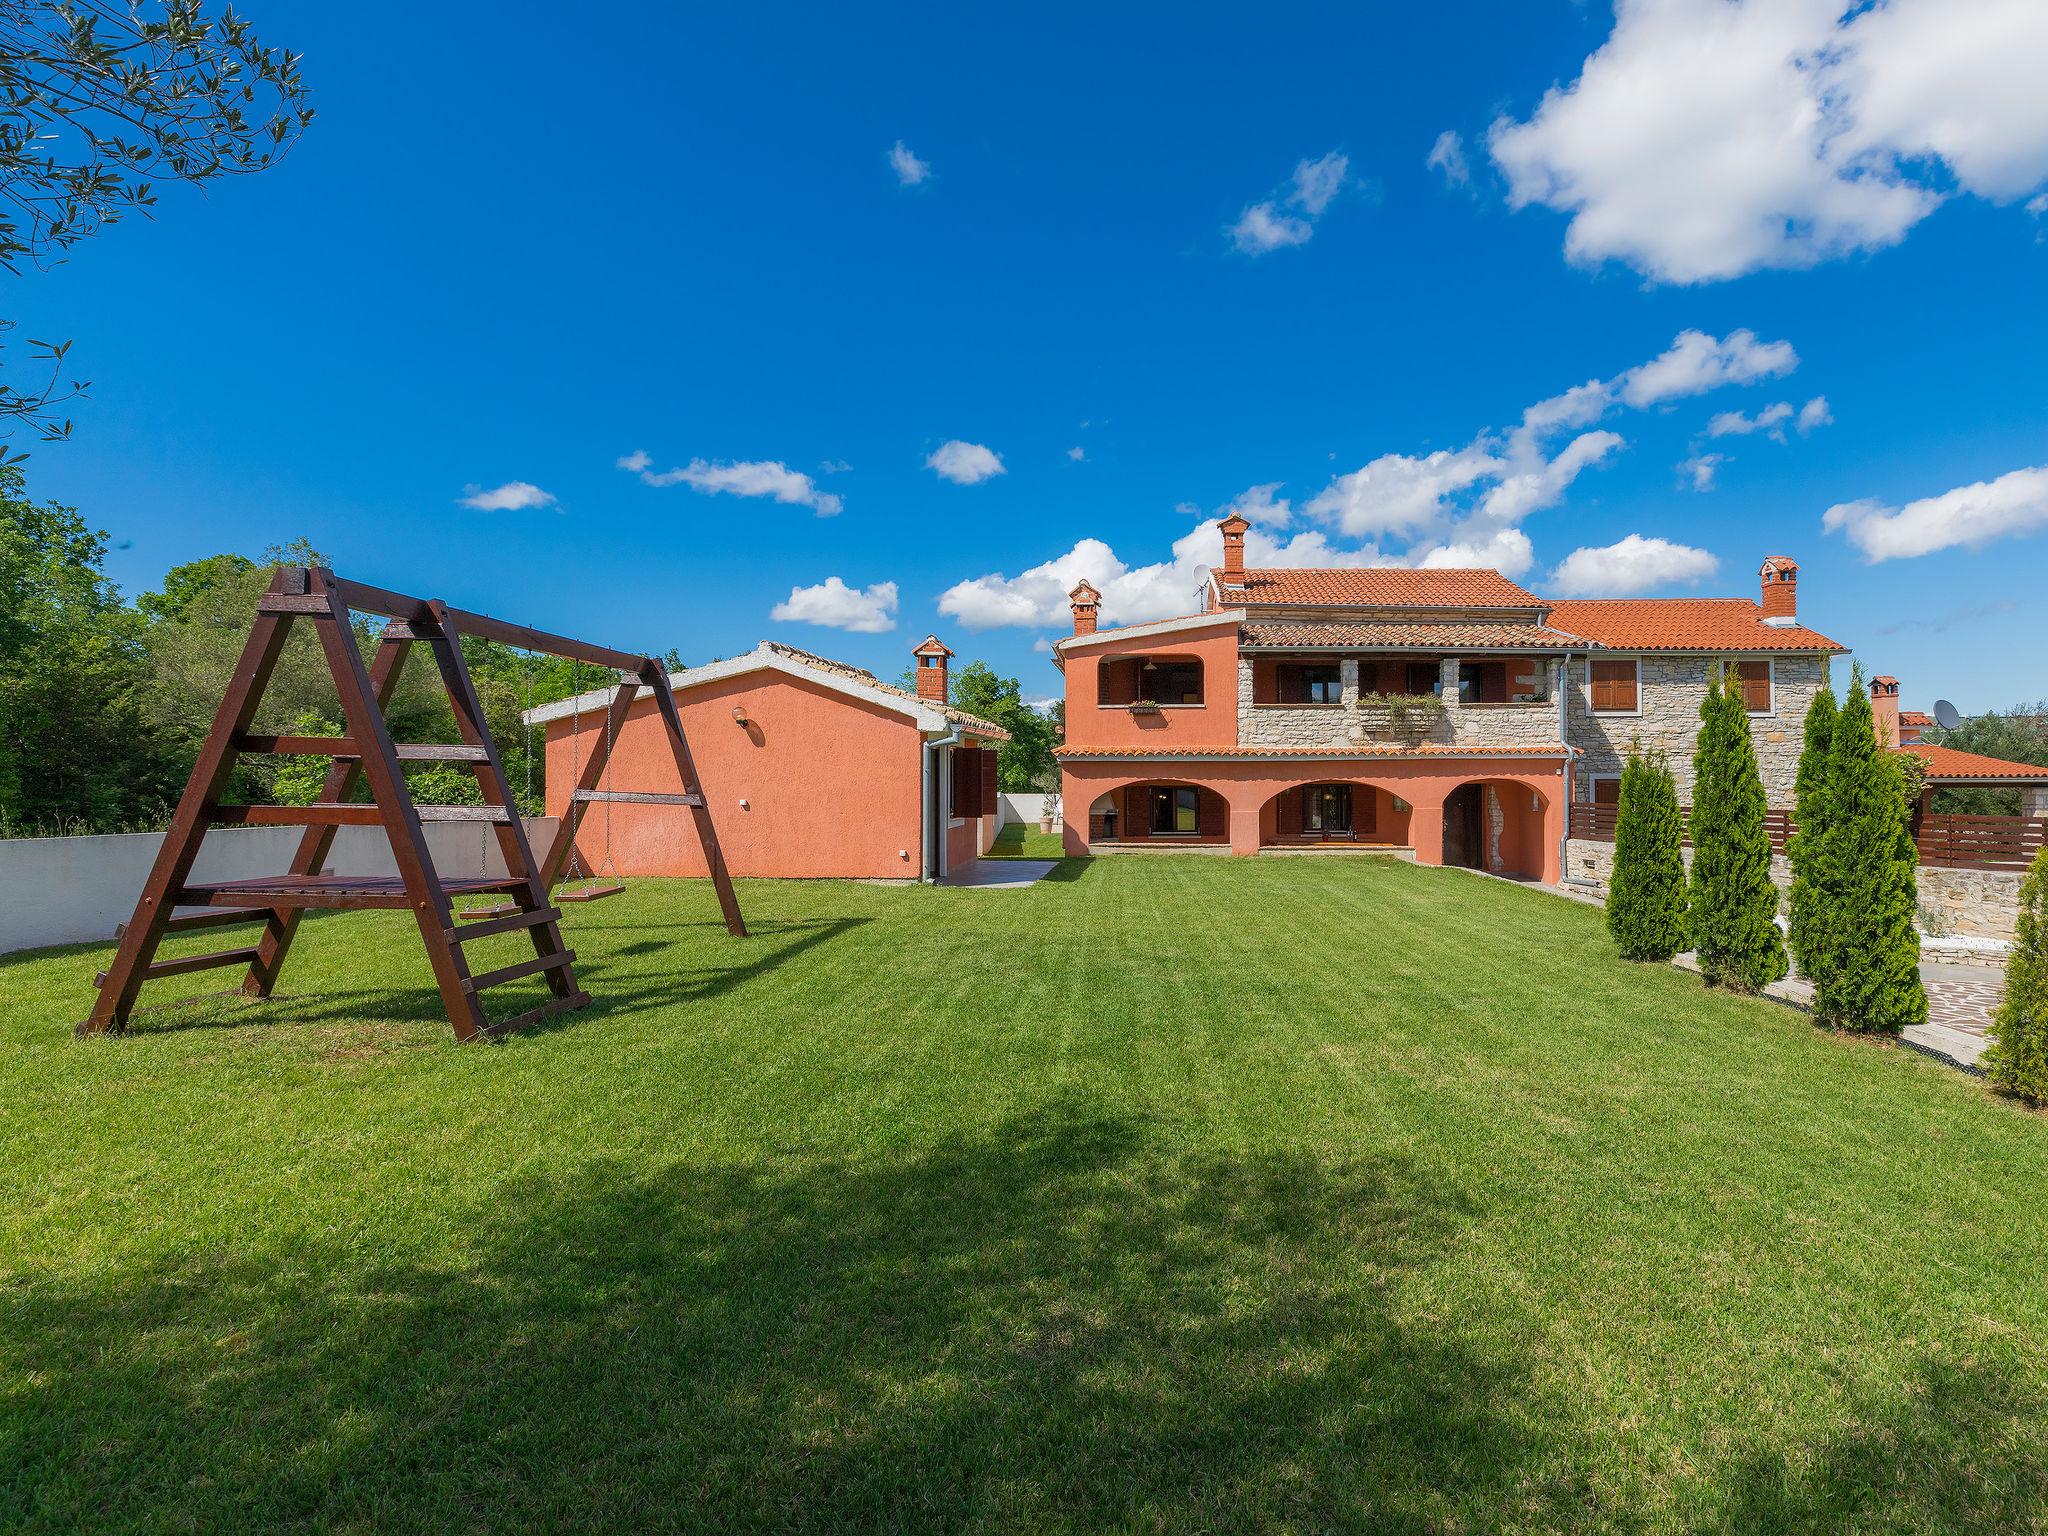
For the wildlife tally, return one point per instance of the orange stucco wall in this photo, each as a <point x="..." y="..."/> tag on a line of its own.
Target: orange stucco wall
<point x="1213" y="723"/>
<point x="1532" y="797"/>
<point x="832" y="784"/>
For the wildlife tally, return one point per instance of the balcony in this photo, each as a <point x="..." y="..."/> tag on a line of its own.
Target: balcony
<point x="1336" y="701"/>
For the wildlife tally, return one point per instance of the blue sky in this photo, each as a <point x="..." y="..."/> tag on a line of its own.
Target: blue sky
<point x="1153" y="262"/>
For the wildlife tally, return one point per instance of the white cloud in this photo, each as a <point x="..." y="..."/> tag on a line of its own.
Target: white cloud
<point x="1708" y="138"/>
<point x="910" y="171"/>
<point x="1814" y="415"/>
<point x="1699" y="470"/>
<point x="832" y="604"/>
<point x="750" y="477"/>
<point x="1077" y="453"/>
<point x="1264" y="226"/>
<point x="1259" y="505"/>
<point x="1770" y="419"/>
<point x="512" y="496"/>
<point x="964" y="463"/>
<point x="2038" y="205"/>
<point x="1970" y="515"/>
<point x="1398" y="493"/>
<point x="636" y="461"/>
<point x="1631" y="565"/>
<point x="1696" y="363"/>
<point x="1506" y="550"/>
<point x="834" y="467"/>
<point x="1447" y="154"/>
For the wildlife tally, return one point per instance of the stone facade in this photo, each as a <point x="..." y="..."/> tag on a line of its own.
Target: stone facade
<point x="1668" y="716"/>
<point x="1982" y="903"/>
<point x="1345" y="724"/>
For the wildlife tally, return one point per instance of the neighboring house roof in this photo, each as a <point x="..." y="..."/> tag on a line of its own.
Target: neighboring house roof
<point x="1915" y="717"/>
<point x="1275" y="634"/>
<point x="769" y="655"/>
<point x="1952" y="763"/>
<point x="1355" y="749"/>
<point x="1681" y="624"/>
<point x="1377" y="587"/>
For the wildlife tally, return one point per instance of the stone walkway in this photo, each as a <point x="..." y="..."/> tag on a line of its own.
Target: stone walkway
<point x="1960" y="999"/>
<point x="1001" y="874"/>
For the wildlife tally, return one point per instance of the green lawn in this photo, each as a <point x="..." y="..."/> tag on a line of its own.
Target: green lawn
<point x="1166" y="1195"/>
<point x="1017" y="841"/>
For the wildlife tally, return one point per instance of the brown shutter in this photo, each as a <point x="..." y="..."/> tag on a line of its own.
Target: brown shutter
<point x="1756" y="685"/>
<point x="1365" y="810"/>
<point x="1613" y="685"/>
<point x="989" y="759"/>
<point x="1289" y="817"/>
<point x="1137" y="811"/>
<point x="966" y="790"/>
<point x="1214" y="813"/>
<point x="1265" y="680"/>
<point x="1293" y="688"/>
<point x="1607" y="791"/>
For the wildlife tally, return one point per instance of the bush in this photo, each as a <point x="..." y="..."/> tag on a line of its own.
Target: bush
<point x="1734" y="904"/>
<point x="1871" y="977"/>
<point x="1646" y="897"/>
<point x="2017" y="1058"/>
<point x="1811" y="896"/>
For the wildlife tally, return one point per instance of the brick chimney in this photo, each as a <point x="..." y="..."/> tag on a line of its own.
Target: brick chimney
<point x="1086" y="601"/>
<point x="1884" y="710"/>
<point x="1234" y="529"/>
<point x="1781" y="591"/>
<point x="931" y="670"/>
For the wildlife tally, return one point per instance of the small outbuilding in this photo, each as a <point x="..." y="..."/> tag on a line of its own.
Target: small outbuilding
<point x="813" y="769"/>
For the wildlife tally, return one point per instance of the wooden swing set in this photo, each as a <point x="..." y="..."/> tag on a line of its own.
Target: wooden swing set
<point x="367" y="752"/>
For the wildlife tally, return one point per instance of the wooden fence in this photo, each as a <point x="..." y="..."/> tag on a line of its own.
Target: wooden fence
<point x="1945" y="842"/>
<point x="1595" y="823"/>
<point x="1981" y="842"/>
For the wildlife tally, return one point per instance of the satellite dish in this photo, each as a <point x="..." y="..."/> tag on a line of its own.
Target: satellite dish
<point x="1945" y="715"/>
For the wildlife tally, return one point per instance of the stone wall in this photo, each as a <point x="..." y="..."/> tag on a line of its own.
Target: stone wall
<point x="1983" y="903"/>
<point x="1345" y="724"/>
<point x="1668" y="700"/>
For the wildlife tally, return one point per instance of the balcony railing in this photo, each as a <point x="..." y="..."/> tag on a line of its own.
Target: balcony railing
<point x="1944" y="842"/>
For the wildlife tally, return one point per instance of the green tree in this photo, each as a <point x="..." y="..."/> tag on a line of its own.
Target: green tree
<point x="299" y="780"/>
<point x="1026" y="758"/>
<point x="1811" y="894"/>
<point x="1871" y="977"/>
<point x="98" y="104"/>
<point x="2017" y="1058"/>
<point x="1646" y="897"/>
<point x="77" y="749"/>
<point x="1734" y="904"/>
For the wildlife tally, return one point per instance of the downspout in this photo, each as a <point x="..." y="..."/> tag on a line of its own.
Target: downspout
<point x="929" y="817"/>
<point x="1564" y="684"/>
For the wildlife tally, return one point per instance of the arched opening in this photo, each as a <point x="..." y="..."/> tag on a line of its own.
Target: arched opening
<point x="1334" y="813"/>
<point x="1495" y="825"/>
<point x="1161" y="813"/>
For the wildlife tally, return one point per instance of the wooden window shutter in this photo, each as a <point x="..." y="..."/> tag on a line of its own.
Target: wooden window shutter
<point x="1756" y="685"/>
<point x="1607" y="791"/>
<point x="1265" y="680"/>
<point x="1288" y="820"/>
<point x="1365" y="810"/>
<point x="1138" y="811"/>
<point x="966" y="782"/>
<point x="1293" y="685"/>
<point x="990" y="756"/>
<point x="1215" y="813"/>
<point x="1613" y="684"/>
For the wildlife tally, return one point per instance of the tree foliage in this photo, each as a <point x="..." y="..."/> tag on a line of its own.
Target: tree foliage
<point x="1812" y="815"/>
<point x="2017" y="1058"/>
<point x="99" y="102"/>
<point x="1646" y="897"/>
<point x="1871" y="976"/>
<point x="1024" y="762"/>
<point x="1734" y="905"/>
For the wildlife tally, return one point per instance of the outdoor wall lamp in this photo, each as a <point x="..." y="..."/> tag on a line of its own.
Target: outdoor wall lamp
<point x="739" y="715"/>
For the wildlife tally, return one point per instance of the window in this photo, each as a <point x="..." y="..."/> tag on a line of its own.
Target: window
<point x="1326" y="808"/>
<point x="1614" y="686"/>
<point x="1175" y="812"/>
<point x="1607" y="790"/>
<point x="1311" y="682"/>
<point x="1755" y="677"/>
<point x="1482" y="682"/>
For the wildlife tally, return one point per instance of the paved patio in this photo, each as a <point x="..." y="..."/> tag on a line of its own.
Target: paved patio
<point x="1001" y="874"/>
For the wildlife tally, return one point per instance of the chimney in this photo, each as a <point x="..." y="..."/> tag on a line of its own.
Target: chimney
<point x="1086" y="601"/>
<point x="931" y="670"/>
<point x="1234" y="529"/>
<point x="1884" y="710"/>
<point x="1781" y="591"/>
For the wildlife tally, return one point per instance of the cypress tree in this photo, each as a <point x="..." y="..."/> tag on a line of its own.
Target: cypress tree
<point x="1810" y="891"/>
<point x="1734" y="904"/>
<point x="1646" y="896"/>
<point x="2017" y="1058"/>
<point x="1870" y="978"/>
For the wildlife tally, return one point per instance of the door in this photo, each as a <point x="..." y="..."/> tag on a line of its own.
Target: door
<point x="1326" y="810"/>
<point x="1463" y="844"/>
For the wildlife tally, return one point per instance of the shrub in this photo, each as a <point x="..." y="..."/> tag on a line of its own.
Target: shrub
<point x="1734" y="904"/>
<point x="1811" y="895"/>
<point x="1646" y="896"/>
<point x="1870" y="979"/>
<point x="2017" y="1058"/>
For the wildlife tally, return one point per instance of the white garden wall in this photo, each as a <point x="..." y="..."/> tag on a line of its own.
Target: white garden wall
<point x="1026" y="808"/>
<point x="74" y="890"/>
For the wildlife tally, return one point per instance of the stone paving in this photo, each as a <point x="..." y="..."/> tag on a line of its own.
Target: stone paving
<point x="1960" y="999"/>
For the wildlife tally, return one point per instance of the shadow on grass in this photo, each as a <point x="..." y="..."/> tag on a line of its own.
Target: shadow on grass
<point x="614" y="989"/>
<point x="1059" y="1323"/>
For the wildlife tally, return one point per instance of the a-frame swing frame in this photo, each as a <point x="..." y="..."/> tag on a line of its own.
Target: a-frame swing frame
<point x="367" y="752"/>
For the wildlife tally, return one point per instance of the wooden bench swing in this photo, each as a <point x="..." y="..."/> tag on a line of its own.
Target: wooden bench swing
<point x="367" y="752"/>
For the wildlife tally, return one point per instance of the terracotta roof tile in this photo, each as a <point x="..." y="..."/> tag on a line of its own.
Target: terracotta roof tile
<point x="1355" y="749"/>
<point x="1447" y="634"/>
<point x="1377" y="586"/>
<point x="861" y="675"/>
<point x="1951" y="763"/>
<point x="1681" y="624"/>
